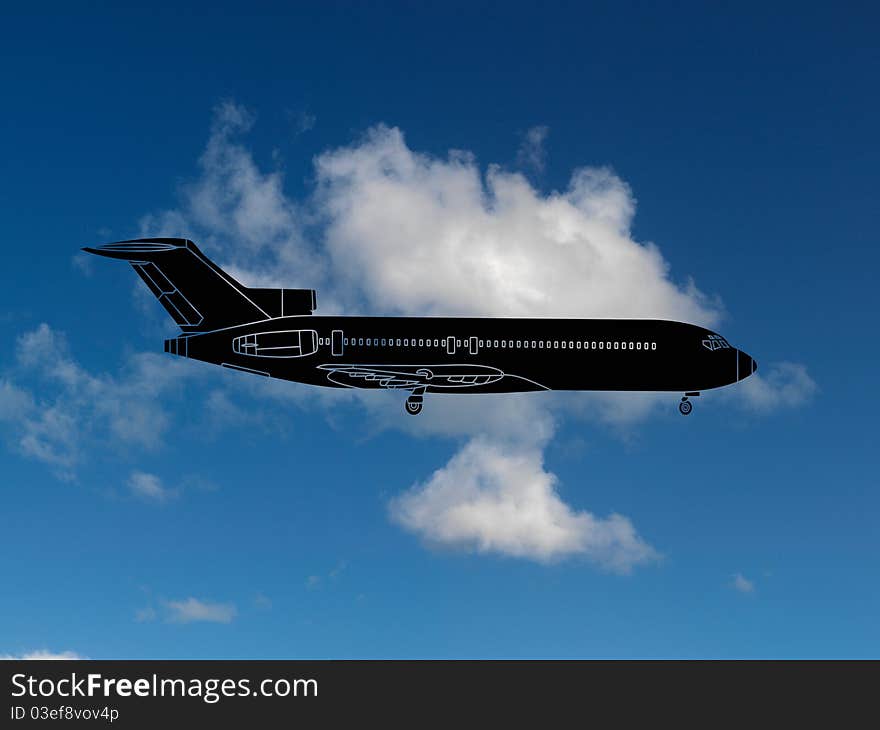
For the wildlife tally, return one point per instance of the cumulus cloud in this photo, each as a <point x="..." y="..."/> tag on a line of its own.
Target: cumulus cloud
<point x="191" y="610"/>
<point x="53" y="406"/>
<point x="149" y="487"/>
<point x="780" y="385"/>
<point x="240" y="213"/>
<point x="409" y="233"/>
<point x="14" y="401"/>
<point x="303" y="121"/>
<point x="404" y="232"/>
<point x="493" y="499"/>
<point x="531" y="152"/>
<point x="145" y="615"/>
<point x="42" y="654"/>
<point x="742" y="584"/>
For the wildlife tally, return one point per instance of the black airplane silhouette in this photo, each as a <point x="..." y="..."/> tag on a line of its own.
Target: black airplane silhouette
<point x="275" y="333"/>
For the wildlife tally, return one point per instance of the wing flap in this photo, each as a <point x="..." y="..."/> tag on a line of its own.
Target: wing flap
<point x="436" y="377"/>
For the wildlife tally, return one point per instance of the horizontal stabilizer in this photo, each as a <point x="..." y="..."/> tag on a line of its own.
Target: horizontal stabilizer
<point x="197" y="293"/>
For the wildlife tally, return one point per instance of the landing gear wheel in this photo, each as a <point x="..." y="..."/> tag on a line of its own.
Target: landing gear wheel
<point x="685" y="407"/>
<point x="413" y="407"/>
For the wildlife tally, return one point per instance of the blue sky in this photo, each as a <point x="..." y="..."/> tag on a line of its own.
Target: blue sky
<point x="159" y="508"/>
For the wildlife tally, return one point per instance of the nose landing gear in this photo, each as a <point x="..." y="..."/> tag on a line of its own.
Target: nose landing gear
<point x="685" y="406"/>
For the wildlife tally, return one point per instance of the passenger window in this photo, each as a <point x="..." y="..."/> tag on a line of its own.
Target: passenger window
<point x="398" y="343"/>
<point x="519" y="343"/>
<point x="653" y="345"/>
<point x="533" y="344"/>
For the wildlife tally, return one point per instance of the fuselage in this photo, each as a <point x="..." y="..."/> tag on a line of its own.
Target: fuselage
<point x="491" y="354"/>
<point x="275" y="333"/>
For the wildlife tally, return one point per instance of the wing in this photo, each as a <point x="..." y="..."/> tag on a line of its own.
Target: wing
<point x="407" y="377"/>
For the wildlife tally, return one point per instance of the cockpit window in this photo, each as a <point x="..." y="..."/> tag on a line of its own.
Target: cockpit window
<point x="715" y="342"/>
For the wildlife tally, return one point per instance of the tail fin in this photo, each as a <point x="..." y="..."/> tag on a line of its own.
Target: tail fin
<point x="197" y="293"/>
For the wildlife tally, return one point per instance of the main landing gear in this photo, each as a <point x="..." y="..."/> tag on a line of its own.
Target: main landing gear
<point x="414" y="402"/>
<point x="685" y="407"/>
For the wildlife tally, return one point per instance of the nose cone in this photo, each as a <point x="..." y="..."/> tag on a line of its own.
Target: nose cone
<point x="745" y="365"/>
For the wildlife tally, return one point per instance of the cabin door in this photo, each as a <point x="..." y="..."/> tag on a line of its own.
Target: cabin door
<point x="336" y="343"/>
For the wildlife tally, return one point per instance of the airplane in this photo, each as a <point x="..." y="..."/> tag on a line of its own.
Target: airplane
<point x="275" y="333"/>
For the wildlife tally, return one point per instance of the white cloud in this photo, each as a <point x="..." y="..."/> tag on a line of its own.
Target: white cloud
<point x="42" y="654"/>
<point x="145" y="615"/>
<point x="303" y="121"/>
<point x="421" y="235"/>
<point x="742" y="584"/>
<point x="192" y="609"/>
<point x="149" y="487"/>
<point x="531" y="152"/>
<point x="780" y="385"/>
<point x="54" y="406"/>
<point x="410" y="233"/>
<point x="493" y="499"/>
<point x="241" y="213"/>
<point x="15" y="402"/>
